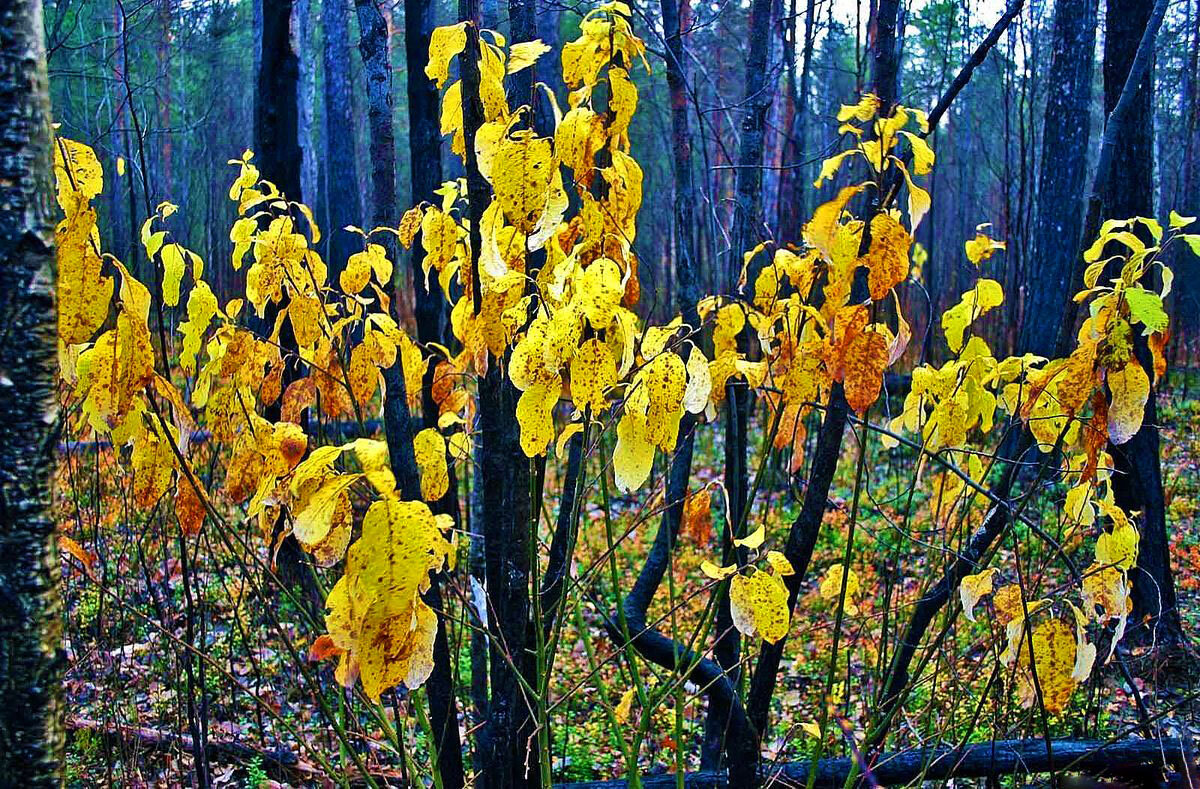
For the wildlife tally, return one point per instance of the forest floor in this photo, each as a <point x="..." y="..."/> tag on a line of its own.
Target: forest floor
<point x="134" y="705"/>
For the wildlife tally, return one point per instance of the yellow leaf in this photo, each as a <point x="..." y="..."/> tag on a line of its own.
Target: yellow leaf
<point x="1178" y="221"/>
<point x="624" y="706"/>
<point x="525" y="54"/>
<point x="173" y="259"/>
<point x="362" y="374"/>
<point x="623" y="104"/>
<point x="1118" y="548"/>
<point x="201" y="307"/>
<point x="754" y="540"/>
<point x="396" y="646"/>
<point x="633" y="455"/>
<point x="923" y="157"/>
<point x="445" y="42"/>
<point x="717" y="573"/>
<point x="576" y="140"/>
<point x="78" y="174"/>
<point x="84" y="295"/>
<point x="657" y="391"/>
<point x="410" y="223"/>
<point x="986" y="295"/>
<point x="1054" y="648"/>
<point x="981" y="248"/>
<point x="821" y="231"/>
<point x="153" y="463"/>
<point x="359" y="267"/>
<point x="865" y="360"/>
<point x="593" y="372"/>
<point x="830" y="589"/>
<point x="758" y="606"/>
<point x="1130" y="389"/>
<point x="375" y="611"/>
<point x="569" y="432"/>
<point x="1007" y="601"/>
<point x="600" y="292"/>
<point x="779" y="564"/>
<point x="1105" y="591"/>
<point x="863" y="111"/>
<point x="313" y="523"/>
<point x="521" y="173"/>
<point x="918" y="202"/>
<point x="699" y="382"/>
<point x="830" y="166"/>
<point x="974" y="587"/>
<point x="535" y="413"/>
<point x="430" y="449"/>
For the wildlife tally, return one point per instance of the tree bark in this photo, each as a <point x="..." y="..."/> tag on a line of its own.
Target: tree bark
<point x="276" y="102"/>
<point x="1187" y="289"/>
<point x="425" y="167"/>
<point x="1128" y="190"/>
<point x="505" y="739"/>
<point x="31" y="655"/>
<point x="341" y="170"/>
<point x="747" y="229"/>
<point x="1062" y="180"/>
<point x="280" y="160"/>
<point x="373" y="46"/>
<point x="307" y="92"/>
<point x="794" y="182"/>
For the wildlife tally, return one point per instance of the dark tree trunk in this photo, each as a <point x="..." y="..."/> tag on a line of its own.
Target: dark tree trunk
<point x="802" y="540"/>
<point x="276" y="102"/>
<point x="747" y="230"/>
<point x="802" y="536"/>
<point x="1129" y="191"/>
<point x="505" y="737"/>
<point x="341" y="170"/>
<point x="305" y="29"/>
<point x="794" y="182"/>
<point x="674" y="14"/>
<point x="31" y="654"/>
<point x="373" y="46"/>
<point x="425" y="167"/>
<point x="1187" y="289"/>
<point x="1062" y="180"/>
<point x="885" y="60"/>
<point x="280" y="160"/>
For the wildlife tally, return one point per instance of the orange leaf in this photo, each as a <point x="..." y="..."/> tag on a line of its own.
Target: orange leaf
<point x="189" y="508"/>
<point x="1095" y="435"/>
<point x="697" y="516"/>
<point x="1158" y="342"/>
<point x="887" y="259"/>
<point x="864" y="363"/>
<point x="323" y="649"/>
<point x="87" y="558"/>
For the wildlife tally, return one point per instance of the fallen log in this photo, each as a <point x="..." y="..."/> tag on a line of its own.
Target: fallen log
<point x="279" y="763"/>
<point x="980" y="760"/>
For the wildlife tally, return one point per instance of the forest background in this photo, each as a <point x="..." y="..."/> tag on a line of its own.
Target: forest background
<point x="168" y="92"/>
